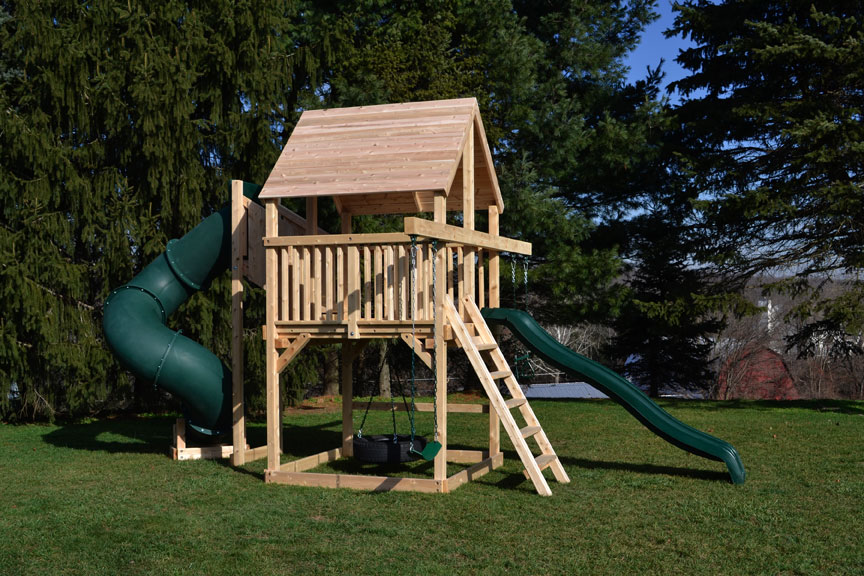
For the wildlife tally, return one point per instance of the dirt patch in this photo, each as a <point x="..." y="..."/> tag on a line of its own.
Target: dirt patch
<point x="323" y="404"/>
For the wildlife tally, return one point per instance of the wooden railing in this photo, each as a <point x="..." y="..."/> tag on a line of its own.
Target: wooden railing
<point x="370" y="278"/>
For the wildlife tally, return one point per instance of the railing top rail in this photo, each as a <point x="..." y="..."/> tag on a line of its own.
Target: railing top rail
<point x="338" y="239"/>
<point x="424" y="229"/>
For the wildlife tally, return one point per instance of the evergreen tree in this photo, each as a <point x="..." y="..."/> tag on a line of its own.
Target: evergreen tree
<point x="663" y="333"/>
<point x="122" y="123"/>
<point x="120" y="130"/>
<point x="549" y="80"/>
<point x="773" y="113"/>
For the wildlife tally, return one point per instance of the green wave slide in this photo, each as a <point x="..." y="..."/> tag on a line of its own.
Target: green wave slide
<point x="527" y="330"/>
<point x="135" y="319"/>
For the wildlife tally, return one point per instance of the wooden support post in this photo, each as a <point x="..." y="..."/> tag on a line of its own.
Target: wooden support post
<point x="180" y="434"/>
<point x="311" y="216"/>
<point x="274" y="406"/>
<point x="494" y="270"/>
<point x="440" y="473"/>
<point x="440" y="207"/>
<point x="238" y="232"/>
<point x="494" y="302"/>
<point x="468" y="209"/>
<point x="348" y="351"/>
<point x="346" y="223"/>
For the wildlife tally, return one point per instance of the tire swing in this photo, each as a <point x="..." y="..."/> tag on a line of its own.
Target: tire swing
<point x="392" y="448"/>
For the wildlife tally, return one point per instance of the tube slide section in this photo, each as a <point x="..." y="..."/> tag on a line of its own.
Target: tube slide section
<point x="135" y="317"/>
<point x="524" y="327"/>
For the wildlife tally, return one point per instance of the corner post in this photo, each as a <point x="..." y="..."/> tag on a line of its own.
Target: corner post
<point x="440" y="471"/>
<point x="238" y="231"/>
<point x="494" y="270"/>
<point x="470" y="265"/>
<point x="274" y="412"/>
<point x="441" y="368"/>
<point x="347" y="360"/>
<point x="494" y="302"/>
<point x="311" y="215"/>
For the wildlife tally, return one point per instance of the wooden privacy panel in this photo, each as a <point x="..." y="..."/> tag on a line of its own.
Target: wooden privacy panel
<point x="252" y="246"/>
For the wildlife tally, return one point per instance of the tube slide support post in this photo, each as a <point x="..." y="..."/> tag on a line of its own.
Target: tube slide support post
<point x="347" y="358"/>
<point x="238" y="230"/>
<point x="440" y="472"/>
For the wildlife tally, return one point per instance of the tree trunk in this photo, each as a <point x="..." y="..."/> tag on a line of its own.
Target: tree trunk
<point x="383" y="369"/>
<point x="331" y="371"/>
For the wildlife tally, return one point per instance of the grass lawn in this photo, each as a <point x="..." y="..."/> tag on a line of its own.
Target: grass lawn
<point x="103" y="498"/>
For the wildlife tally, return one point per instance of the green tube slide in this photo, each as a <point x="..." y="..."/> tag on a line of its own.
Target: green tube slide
<point x="136" y="314"/>
<point x="527" y="330"/>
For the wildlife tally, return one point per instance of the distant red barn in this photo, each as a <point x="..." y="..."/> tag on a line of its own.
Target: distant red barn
<point x="758" y="373"/>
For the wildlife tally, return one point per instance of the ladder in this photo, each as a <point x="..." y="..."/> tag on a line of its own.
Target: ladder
<point x="473" y="334"/>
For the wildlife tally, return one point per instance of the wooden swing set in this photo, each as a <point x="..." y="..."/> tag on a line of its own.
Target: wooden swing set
<point x="424" y="285"/>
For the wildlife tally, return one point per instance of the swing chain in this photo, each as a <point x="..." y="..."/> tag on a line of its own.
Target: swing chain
<point x="435" y="336"/>
<point x="513" y="277"/>
<point x="392" y="411"/>
<point x="365" y="415"/>
<point x="413" y="335"/>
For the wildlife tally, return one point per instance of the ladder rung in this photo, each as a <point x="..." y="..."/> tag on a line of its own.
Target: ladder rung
<point x="483" y="346"/>
<point x="545" y="460"/>
<point x="499" y="374"/>
<point x="515" y="402"/>
<point x="529" y="431"/>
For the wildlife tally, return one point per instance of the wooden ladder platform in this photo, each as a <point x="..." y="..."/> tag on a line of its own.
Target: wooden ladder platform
<point x="491" y="367"/>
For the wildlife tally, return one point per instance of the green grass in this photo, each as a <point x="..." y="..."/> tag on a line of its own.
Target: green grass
<point x="103" y="498"/>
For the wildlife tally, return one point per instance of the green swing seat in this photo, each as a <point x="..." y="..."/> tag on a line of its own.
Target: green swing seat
<point x="429" y="451"/>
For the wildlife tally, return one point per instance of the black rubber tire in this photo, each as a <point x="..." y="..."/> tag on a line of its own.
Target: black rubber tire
<point x="380" y="448"/>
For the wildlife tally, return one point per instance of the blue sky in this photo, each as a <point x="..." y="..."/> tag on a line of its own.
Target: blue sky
<point x="654" y="46"/>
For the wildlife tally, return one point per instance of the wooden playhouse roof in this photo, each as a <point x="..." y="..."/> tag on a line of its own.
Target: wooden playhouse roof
<point x="387" y="159"/>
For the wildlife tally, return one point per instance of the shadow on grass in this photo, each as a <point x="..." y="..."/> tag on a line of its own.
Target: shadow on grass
<point x="840" y="406"/>
<point x="304" y="440"/>
<point x="128" y="435"/>
<point x="697" y="474"/>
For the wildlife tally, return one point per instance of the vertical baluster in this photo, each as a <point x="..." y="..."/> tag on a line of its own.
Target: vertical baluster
<point x="367" y="283"/>
<point x="353" y="287"/>
<point x="421" y="284"/>
<point x="295" y="284"/>
<point x="329" y="279"/>
<point x="481" y="280"/>
<point x="284" y="285"/>
<point x="317" y="298"/>
<point x="340" y="284"/>
<point x="379" y="290"/>
<point x="450" y="273"/>
<point x="460" y="270"/>
<point x="305" y="284"/>
<point x="430" y="278"/>
<point x="389" y="282"/>
<point x="403" y="284"/>
<point x="470" y="267"/>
